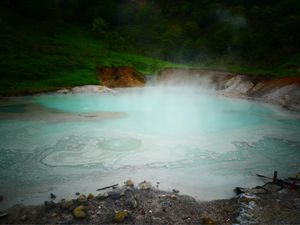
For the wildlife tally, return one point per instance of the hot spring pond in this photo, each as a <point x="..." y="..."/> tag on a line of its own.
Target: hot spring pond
<point x="202" y="144"/>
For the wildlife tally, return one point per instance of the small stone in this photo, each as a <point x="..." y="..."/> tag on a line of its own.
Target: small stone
<point x="1" y="198"/>
<point x="173" y="197"/>
<point x="133" y="203"/>
<point x="23" y="218"/>
<point x="82" y="199"/>
<point x="77" y="193"/>
<point x="52" y="196"/>
<point x="120" y="216"/>
<point x="185" y="218"/>
<point x="49" y="204"/>
<point x="144" y="185"/>
<point x="90" y="196"/>
<point x="175" y="191"/>
<point x="207" y="220"/>
<point x="102" y="196"/>
<point x="65" y="204"/>
<point x="79" y="212"/>
<point x="114" y="195"/>
<point x="129" y="183"/>
<point x="54" y="215"/>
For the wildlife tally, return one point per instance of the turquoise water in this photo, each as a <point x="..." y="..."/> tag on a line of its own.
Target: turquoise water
<point x="197" y="142"/>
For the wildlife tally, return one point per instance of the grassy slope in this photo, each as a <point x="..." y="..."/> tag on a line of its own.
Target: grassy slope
<point x="32" y="61"/>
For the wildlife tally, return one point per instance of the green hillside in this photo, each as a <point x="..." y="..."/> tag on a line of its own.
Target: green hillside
<point x="49" y="44"/>
<point x="32" y="61"/>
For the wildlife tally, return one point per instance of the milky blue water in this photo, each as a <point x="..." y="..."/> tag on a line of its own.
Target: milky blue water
<point x="184" y="138"/>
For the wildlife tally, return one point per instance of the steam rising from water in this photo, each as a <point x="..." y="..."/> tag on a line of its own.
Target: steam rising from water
<point x="183" y="137"/>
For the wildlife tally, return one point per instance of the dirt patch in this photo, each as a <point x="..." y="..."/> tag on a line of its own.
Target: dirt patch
<point x="120" y="77"/>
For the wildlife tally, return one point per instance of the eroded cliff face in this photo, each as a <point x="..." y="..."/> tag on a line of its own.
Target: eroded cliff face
<point x="114" y="77"/>
<point x="281" y="91"/>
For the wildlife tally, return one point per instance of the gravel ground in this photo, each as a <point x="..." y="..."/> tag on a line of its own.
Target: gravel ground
<point x="147" y="205"/>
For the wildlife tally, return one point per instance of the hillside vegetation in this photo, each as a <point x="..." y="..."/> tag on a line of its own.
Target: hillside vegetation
<point x="58" y="43"/>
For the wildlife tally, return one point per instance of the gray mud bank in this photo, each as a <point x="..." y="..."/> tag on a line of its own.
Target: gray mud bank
<point x="269" y="204"/>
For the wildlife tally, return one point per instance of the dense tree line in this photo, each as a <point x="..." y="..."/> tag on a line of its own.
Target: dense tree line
<point x="252" y="31"/>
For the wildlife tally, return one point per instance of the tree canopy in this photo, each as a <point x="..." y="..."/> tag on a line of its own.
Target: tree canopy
<point x="252" y="31"/>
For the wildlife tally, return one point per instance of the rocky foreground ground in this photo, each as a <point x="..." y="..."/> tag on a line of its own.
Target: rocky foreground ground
<point x="273" y="203"/>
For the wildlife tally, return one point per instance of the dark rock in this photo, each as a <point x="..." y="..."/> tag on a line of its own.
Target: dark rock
<point x="175" y="191"/>
<point x="52" y="196"/>
<point x="115" y="195"/>
<point x="49" y="204"/>
<point x="1" y="198"/>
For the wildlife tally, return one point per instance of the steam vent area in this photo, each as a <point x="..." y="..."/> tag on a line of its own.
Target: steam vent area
<point x="199" y="132"/>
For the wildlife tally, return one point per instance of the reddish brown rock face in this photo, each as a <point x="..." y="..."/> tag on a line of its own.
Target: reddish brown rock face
<point x="273" y="84"/>
<point x="120" y="77"/>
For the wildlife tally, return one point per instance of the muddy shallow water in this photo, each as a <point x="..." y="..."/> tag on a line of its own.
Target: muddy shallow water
<point x="184" y="138"/>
